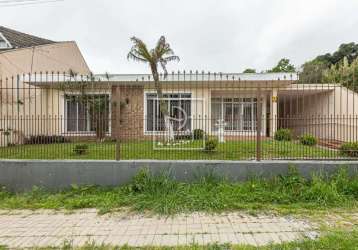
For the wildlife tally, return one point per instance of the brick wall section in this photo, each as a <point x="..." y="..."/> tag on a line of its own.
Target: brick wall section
<point x="127" y="112"/>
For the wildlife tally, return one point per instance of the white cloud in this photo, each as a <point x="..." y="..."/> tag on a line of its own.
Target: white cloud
<point x="210" y="35"/>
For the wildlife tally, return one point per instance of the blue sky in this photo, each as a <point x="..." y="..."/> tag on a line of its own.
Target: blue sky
<point x="210" y="35"/>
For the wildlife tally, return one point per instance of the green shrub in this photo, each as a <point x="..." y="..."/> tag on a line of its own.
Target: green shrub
<point x="308" y="140"/>
<point x="323" y="191"/>
<point x="81" y="149"/>
<point x="292" y="183"/>
<point x="140" y="180"/>
<point x="345" y="184"/>
<point x="183" y="137"/>
<point x="45" y="139"/>
<point x="283" y="135"/>
<point x="211" y="144"/>
<point x="110" y="140"/>
<point x="146" y="182"/>
<point x="349" y="149"/>
<point x="7" y="133"/>
<point x="198" y="134"/>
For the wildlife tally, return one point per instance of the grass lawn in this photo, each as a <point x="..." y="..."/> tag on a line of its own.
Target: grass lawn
<point x="231" y="150"/>
<point x="336" y="240"/>
<point x="163" y="195"/>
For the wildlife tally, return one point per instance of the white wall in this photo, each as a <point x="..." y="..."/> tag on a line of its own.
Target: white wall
<point x="329" y="114"/>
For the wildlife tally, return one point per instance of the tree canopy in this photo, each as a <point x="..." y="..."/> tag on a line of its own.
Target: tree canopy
<point x="313" y="71"/>
<point x="283" y="65"/>
<point x="344" y="73"/>
<point x="160" y="55"/>
<point x="247" y="71"/>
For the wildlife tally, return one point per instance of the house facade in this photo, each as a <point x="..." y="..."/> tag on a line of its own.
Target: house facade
<point x="328" y="111"/>
<point x="23" y="55"/>
<point x="131" y="107"/>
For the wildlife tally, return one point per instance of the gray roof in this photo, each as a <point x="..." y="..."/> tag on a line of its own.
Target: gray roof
<point x="199" y="77"/>
<point x="21" y="40"/>
<point x="139" y="79"/>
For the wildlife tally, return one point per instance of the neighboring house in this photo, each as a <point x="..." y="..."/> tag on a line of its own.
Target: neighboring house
<point x="22" y="55"/>
<point x="26" y="54"/>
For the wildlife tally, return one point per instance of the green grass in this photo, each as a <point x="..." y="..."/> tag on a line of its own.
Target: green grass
<point x="163" y="195"/>
<point x="231" y="150"/>
<point x="339" y="240"/>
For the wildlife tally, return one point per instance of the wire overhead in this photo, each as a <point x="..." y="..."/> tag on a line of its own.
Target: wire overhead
<point x="12" y="3"/>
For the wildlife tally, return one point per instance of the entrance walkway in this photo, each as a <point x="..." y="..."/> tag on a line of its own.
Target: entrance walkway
<point x="48" y="228"/>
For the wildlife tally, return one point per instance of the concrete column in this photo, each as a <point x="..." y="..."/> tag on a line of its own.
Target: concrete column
<point x="273" y="112"/>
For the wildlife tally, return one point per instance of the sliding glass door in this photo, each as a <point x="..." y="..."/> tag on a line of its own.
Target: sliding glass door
<point x="239" y="114"/>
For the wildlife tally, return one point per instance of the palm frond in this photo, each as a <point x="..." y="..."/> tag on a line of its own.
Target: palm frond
<point x="139" y="51"/>
<point x="163" y="49"/>
<point x="135" y="57"/>
<point x="171" y="58"/>
<point x="163" y="63"/>
<point x="161" y="54"/>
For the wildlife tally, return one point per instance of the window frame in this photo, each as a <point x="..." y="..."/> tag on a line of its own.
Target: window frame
<point x="145" y="108"/>
<point x="88" y="132"/>
<point x="232" y="101"/>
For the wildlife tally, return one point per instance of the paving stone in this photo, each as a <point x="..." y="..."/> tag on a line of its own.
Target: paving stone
<point x="48" y="228"/>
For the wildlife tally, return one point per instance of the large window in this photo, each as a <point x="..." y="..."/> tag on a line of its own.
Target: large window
<point x="179" y="107"/>
<point x="85" y="113"/>
<point x="239" y="114"/>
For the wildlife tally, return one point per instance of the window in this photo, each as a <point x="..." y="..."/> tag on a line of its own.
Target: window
<point x="86" y="113"/>
<point x="239" y="114"/>
<point x="4" y="44"/>
<point x="179" y="107"/>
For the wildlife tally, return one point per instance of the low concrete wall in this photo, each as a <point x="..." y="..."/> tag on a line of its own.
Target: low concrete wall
<point x="23" y="175"/>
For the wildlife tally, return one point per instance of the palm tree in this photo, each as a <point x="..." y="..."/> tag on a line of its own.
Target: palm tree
<point x="159" y="56"/>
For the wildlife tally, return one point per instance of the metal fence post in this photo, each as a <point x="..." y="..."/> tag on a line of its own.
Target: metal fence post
<point x="118" y="149"/>
<point x="117" y="108"/>
<point x="259" y="125"/>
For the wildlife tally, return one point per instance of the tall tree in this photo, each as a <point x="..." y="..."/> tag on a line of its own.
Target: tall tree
<point x="283" y="65"/>
<point x="160" y="56"/>
<point x="344" y="73"/>
<point x="345" y="50"/>
<point x="249" y="71"/>
<point x="313" y="71"/>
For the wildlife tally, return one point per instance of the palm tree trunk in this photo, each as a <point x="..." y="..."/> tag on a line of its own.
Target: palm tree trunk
<point x="169" y="134"/>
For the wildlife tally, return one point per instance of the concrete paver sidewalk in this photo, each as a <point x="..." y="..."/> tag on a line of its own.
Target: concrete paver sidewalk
<point x="48" y="228"/>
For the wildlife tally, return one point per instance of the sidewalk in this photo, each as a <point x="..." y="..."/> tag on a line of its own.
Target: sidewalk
<point x="49" y="228"/>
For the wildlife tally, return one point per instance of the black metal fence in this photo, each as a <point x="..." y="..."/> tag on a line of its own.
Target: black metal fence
<point x="200" y="116"/>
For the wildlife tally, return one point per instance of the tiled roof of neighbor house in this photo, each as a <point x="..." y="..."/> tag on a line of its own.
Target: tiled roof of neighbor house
<point x="21" y="40"/>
